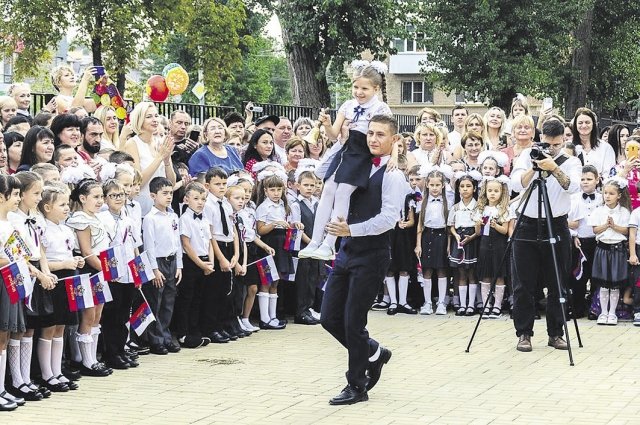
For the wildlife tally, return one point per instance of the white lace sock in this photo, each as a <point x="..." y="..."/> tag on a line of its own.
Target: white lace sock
<point x="57" y="347"/>
<point x="26" y="351"/>
<point x="13" y="358"/>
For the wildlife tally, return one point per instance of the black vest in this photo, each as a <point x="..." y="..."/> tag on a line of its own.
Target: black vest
<point x="307" y="217"/>
<point x="366" y="204"/>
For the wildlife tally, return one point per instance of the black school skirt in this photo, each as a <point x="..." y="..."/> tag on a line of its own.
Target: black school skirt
<point x="352" y="164"/>
<point x="283" y="258"/>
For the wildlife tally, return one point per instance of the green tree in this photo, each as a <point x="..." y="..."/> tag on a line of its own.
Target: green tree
<point x="322" y="33"/>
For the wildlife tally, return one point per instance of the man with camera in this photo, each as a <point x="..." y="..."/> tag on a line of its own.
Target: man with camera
<point x="532" y="259"/>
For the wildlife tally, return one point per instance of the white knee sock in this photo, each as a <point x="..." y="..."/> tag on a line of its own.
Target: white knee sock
<point x="95" y="334"/>
<point x="57" y="347"/>
<point x="85" y="343"/>
<point x="273" y="303"/>
<point x="473" y="293"/>
<point x="485" y="287"/>
<point x="3" y="368"/>
<point x="604" y="300"/>
<point x="499" y="295"/>
<point x="323" y="211"/>
<point x="44" y="358"/>
<point x="390" y="281"/>
<point x="442" y="290"/>
<point x="26" y="351"/>
<point x="426" y="289"/>
<point x="263" y="306"/>
<point x="403" y="286"/>
<point x="614" y="296"/>
<point x="13" y="357"/>
<point x="462" y="290"/>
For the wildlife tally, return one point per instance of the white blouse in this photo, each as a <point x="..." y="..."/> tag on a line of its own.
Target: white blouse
<point x="620" y="217"/>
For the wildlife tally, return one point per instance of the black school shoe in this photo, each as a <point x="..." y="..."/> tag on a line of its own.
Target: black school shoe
<point x="95" y="370"/>
<point x="172" y="348"/>
<point x="191" y="341"/>
<point x="349" y="395"/>
<point x="217" y="338"/>
<point x="375" y="368"/>
<point x="117" y="362"/>
<point x="30" y="395"/>
<point x="158" y="349"/>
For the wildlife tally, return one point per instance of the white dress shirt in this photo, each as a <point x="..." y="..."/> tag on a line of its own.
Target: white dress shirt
<point x="80" y="220"/>
<point x="32" y="233"/>
<point x="198" y="230"/>
<point x="248" y="216"/>
<point x="119" y="233"/>
<point x="373" y="107"/>
<point x="585" y="207"/>
<point x="269" y="211"/>
<point x="603" y="158"/>
<point x="394" y="191"/>
<point x="58" y="241"/>
<point x="461" y="215"/>
<point x="161" y="236"/>
<point x="620" y="217"/>
<point x="294" y="206"/>
<point x="212" y="214"/>
<point x="134" y="211"/>
<point x="559" y="199"/>
<point x="433" y="217"/>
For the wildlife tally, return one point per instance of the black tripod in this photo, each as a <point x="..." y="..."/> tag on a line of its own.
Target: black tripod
<point x="543" y="202"/>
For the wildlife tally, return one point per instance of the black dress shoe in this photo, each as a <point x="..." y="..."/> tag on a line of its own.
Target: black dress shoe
<point x="234" y="332"/>
<point x="306" y="319"/>
<point x="131" y="354"/>
<point x="30" y="395"/>
<point x="217" y="338"/>
<point x="158" y="349"/>
<point x="172" y="348"/>
<point x="7" y="405"/>
<point x="94" y="370"/>
<point x="72" y="375"/>
<point x="273" y="324"/>
<point x="46" y="393"/>
<point x="375" y="368"/>
<point x="72" y="385"/>
<point x="60" y="387"/>
<point x="349" y="395"/>
<point x="132" y="362"/>
<point x="407" y="309"/>
<point x="117" y="362"/>
<point x="393" y="309"/>
<point x="228" y="335"/>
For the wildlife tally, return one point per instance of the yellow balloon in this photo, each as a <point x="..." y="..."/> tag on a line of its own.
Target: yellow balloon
<point x="177" y="80"/>
<point x="105" y="100"/>
<point x="121" y="113"/>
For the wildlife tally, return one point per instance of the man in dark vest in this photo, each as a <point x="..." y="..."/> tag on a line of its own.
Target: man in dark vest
<point x="362" y="263"/>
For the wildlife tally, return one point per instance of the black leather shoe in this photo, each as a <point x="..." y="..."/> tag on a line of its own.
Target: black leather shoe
<point x="158" y="349"/>
<point x="30" y="395"/>
<point x="94" y="370"/>
<point x="231" y="330"/>
<point x="131" y="354"/>
<point x="46" y="393"/>
<point x="72" y="385"/>
<point x="172" y="348"/>
<point x="273" y="324"/>
<point x="117" y="362"/>
<point x="393" y="309"/>
<point x="407" y="309"/>
<point x="228" y="335"/>
<point x="7" y="405"/>
<point x="217" y="338"/>
<point x="132" y="362"/>
<point x="349" y="395"/>
<point x="72" y="375"/>
<point x="306" y="319"/>
<point x="60" y="387"/>
<point x="375" y="368"/>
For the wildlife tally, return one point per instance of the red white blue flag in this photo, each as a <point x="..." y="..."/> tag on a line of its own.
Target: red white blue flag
<point x="578" y="270"/>
<point x="109" y="263"/>
<point x="141" y="270"/>
<point x="100" y="289"/>
<point x="17" y="280"/>
<point x="267" y="270"/>
<point x="292" y="240"/>
<point x="79" y="292"/>
<point x="142" y="318"/>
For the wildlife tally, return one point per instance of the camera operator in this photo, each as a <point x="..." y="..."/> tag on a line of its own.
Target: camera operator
<point x="533" y="260"/>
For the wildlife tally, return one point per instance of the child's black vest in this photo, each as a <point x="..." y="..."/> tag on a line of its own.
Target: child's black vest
<point x="307" y="217"/>
<point x="366" y="204"/>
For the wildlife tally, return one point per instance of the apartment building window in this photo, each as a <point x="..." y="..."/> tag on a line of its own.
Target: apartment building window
<point x="416" y="92"/>
<point x="409" y="45"/>
<point x="7" y="71"/>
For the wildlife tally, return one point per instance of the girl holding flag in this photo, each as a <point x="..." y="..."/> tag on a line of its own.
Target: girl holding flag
<point x="58" y="243"/>
<point x="30" y="225"/>
<point x="10" y="313"/>
<point x="91" y="239"/>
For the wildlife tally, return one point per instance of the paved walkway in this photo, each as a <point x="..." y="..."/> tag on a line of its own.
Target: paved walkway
<point x="287" y="377"/>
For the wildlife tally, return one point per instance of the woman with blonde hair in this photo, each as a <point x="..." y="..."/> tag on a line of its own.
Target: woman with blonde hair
<point x="523" y="132"/>
<point x="111" y="136"/>
<point x="494" y="124"/>
<point x="431" y="149"/>
<point x="8" y="108"/>
<point x="64" y="81"/>
<point x="150" y="160"/>
<point x="21" y="93"/>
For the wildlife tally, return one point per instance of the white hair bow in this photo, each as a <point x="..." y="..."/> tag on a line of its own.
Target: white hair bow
<point x="268" y="173"/>
<point x="501" y="158"/>
<point x="259" y="166"/>
<point x="617" y="180"/>
<point x="73" y="175"/>
<point x="445" y="169"/>
<point x="377" y="65"/>
<point x="501" y="179"/>
<point x="474" y="174"/>
<point x="232" y="180"/>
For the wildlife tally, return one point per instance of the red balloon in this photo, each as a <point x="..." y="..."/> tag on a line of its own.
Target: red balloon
<point x="157" y="89"/>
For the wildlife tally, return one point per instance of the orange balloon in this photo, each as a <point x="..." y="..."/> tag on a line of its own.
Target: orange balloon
<point x="177" y="80"/>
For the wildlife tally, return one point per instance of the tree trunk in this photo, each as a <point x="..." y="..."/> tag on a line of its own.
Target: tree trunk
<point x="576" y="91"/>
<point x="121" y="79"/>
<point x="308" y="76"/>
<point x="96" y="39"/>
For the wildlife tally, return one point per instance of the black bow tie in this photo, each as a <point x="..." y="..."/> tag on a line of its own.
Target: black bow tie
<point x="591" y="196"/>
<point x="131" y="204"/>
<point x="197" y="216"/>
<point x="30" y="221"/>
<point x="436" y="200"/>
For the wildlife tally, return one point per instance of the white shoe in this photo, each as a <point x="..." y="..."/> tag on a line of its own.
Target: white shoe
<point x="612" y="320"/>
<point x="441" y="309"/>
<point x="308" y="250"/>
<point x="636" y="319"/>
<point x="426" y="309"/>
<point x="242" y="325"/>
<point x="315" y="314"/>
<point x="324" y="252"/>
<point x="603" y="319"/>
<point x="246" y="324"/>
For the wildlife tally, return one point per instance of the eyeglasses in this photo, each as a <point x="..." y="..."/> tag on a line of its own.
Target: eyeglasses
<point x="116" y="195"/>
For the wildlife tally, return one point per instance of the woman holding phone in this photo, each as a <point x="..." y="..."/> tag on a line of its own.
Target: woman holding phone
<point x="629" y="169"/>
<point x="64" y="80"/>
<point x="214" y="153"/>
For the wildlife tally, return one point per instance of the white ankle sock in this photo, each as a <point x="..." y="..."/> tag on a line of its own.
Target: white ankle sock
<point x="263" y="306"/>
<point x="485" y="287"/>
<point x="499" y="295"/>
<point x="442" y="290"/>
<point x="273" y="303"/>
<point x="3" y="368"/>
<point x="57" y="347"/>
<point x="403" y="287"/>
<point x="44" y="358"/>
<point x="26" y="351"/>
<point x="426" y="289"/>
<point x="13" y="358"/>
<point x="462" y="290"/>
<point x="614" y="296"/>
<point x="247" y="324"/>
<point x="604" y="300"/>
<point x="375" y="355"/>
<point x="390" y="281"/>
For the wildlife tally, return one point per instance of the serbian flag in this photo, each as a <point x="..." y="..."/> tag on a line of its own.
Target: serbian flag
<point x="267" y="270"/>
<point x="577" y="271"/>
<point x="141" y="270"/>
<point x="292" y="276"/>
<point x="109" y="263"/>
<point x="292" y="240"/>
<point x="142" y="318"/>
<point x="79" y="292"/>
<point x="100" y="289"/>
<point x="17" y="280"/>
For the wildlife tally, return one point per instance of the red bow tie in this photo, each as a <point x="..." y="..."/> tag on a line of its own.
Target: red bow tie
<point x="376" y="161"/>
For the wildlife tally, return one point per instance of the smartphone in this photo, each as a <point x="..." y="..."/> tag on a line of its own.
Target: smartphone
<point x="547" y="103"/>
<point x="257" y="109"/>
<point x="99" y="72"/>
<point x="194" y="135"/>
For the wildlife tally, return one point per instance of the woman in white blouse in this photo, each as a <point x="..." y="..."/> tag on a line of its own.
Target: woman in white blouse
<point x="589" y="148"/>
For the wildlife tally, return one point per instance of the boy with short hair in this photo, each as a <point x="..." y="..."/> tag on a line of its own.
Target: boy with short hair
<point x="162" y="244"/>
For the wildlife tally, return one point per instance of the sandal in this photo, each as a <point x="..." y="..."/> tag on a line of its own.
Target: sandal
<point x="470" y="311"/>
<point x="496" y="313"/>
<point x="379" y="306"/>
<point x="461" y="311"/>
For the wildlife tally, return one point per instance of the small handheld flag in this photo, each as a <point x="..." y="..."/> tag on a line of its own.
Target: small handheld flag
<point x="100" y="289"/>
<point x="267" y="270"/>
<point x="578" y="270"/>
<point x="142" y="318"/>
<point x="292" y="240"/>
<point x="141" y="270"/>
<point x="16" y="248"/>
<point x="109" y="263"/>
<point x="17" y="280"/>
<point x="79" y="292"/>
<point x="292" y="277"/>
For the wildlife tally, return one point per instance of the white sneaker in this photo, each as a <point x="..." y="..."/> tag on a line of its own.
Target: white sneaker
<point x="306" y="252"/>
<point x="324" y="252"/>
<point x="426" y="309"/>
<point x="243" y="326"/>
<point x="441" y="309"/>
<point x="602" y="319"/>
<point x="612" y="320"/>
<point x="636" y="319"/>
<point x="315" y="314"/>
<point x="248" y="326"/>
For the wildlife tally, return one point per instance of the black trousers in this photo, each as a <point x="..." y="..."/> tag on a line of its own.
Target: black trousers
<point x="115" y="315"/>
<point x="186" y="312"/>
<point x="216" y="308"/>
<point x="531" y="261"/>
<point x="588" y="246"/>
<point x="307" y="278"/>
<point x="350" y="291"/>
<point x="161" y="301"/>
